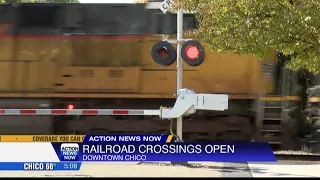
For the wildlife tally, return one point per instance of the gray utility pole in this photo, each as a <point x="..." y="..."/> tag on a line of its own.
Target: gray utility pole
<point x="179" y="64"/>
<point x="164" y="7"/>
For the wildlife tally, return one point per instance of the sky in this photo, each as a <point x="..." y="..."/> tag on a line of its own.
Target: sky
<point x="106" y="1"/>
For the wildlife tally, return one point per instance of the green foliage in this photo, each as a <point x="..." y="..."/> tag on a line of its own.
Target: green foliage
<point x="291" y="27"/>
<point x="38" y="1"/>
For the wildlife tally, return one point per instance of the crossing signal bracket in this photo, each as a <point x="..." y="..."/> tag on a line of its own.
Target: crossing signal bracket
<point x="188" y="102"/>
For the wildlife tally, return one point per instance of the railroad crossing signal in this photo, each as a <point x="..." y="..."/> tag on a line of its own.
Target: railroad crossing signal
<point x="192" y="52"/>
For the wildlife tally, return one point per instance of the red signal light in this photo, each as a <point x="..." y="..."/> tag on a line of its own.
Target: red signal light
<point x="70" y="106"/>
<point x="192" y="52"/>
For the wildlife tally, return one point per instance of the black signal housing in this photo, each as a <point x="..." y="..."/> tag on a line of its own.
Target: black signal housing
<point x="163" y="53"/>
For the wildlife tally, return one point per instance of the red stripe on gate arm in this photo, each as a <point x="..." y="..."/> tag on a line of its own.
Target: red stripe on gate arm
<point x="117" y="112"/>
<point x="27" y="111"/>
<point x="90" y="112"/>
<point x="2" y="111"/>
<point x="58" y="111"/>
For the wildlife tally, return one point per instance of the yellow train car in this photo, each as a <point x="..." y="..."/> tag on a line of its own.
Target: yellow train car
<point x="98" y="56"/>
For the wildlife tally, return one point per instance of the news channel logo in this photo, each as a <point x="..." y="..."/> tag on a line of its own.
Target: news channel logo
<point x="69" y="152"/>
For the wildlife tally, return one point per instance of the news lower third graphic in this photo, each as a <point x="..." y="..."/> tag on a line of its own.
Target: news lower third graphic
<point x="51" y="153"/>
<point x="137" y="148"/>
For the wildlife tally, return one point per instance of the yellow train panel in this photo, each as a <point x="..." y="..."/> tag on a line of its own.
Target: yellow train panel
<point x="5" y="74"/>
<point x="28" y="49"/>
<point x="115" y="65"/>
<point x="105" y="51"/>
<point x="99" y="79"/>
<point x="6" y="45"/>
<point x="159" y="82"/>
<point x="34" y="74"/>
<point x="47" y="70"/>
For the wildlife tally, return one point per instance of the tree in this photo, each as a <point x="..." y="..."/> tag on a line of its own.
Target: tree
<point x="38" y="1"/>
<point x="291" y="27"/>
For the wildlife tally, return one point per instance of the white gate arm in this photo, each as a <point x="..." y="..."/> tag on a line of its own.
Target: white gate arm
<point x="187" y="103"/>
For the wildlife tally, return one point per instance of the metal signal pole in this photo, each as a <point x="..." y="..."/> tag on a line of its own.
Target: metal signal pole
<point x="179" y="64"/>
<point x="165" y="5"/>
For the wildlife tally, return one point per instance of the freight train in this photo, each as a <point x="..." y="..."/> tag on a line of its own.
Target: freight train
<point x="97" y="56"/>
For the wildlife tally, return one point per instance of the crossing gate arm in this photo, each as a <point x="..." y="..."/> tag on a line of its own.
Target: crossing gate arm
<point x="186" y="104"/>
<point x="80" y="112"/>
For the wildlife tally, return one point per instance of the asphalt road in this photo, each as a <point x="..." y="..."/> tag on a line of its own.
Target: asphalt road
<point x="207" y="169"/>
